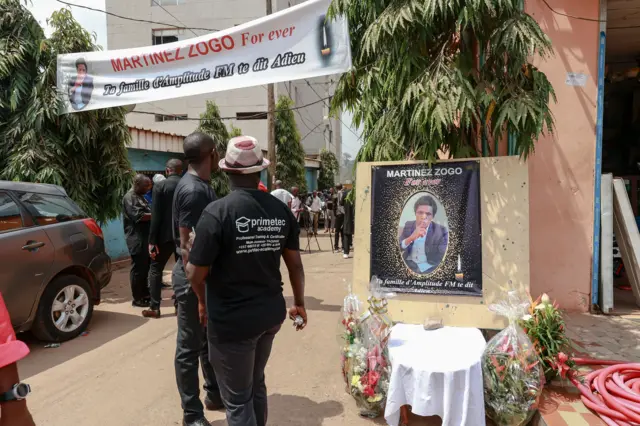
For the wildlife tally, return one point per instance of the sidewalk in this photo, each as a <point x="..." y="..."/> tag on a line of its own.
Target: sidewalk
<point x="594" y="336"/>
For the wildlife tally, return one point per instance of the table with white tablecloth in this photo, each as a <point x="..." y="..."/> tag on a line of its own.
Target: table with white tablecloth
<point x="436" y="372"/>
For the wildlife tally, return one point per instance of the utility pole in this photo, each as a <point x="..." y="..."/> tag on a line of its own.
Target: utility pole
<point x="271" y="124"/>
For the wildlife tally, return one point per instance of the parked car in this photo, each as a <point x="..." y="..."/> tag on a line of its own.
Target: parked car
<point x="53" y="258"/>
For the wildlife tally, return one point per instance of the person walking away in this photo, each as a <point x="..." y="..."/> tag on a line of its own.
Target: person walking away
<point x="282" y="194"/>
<point x="161" y="243"/>
<point x="236" y="254"/>
<point x="13" y="393"/>
<point x="329" y="220"/>
<point x="339" y="206"/>
<point x="136" y="219"/>
<point x="315" y="208"/>
<point x="347" y="225"/>
<point x="192" y="194"/>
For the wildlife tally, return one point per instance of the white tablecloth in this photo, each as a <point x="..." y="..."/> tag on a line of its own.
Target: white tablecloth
<point x="437" y="372"/>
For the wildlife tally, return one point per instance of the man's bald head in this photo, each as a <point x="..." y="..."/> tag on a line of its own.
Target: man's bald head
<point x="198" y="147"/>
<point x="141" y="184"/>
<point x="173" y="167"/>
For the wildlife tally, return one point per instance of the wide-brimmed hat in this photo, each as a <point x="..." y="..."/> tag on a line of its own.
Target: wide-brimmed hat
<point x="243" y="156"/>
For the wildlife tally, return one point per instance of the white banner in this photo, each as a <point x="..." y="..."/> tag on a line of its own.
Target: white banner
<point x="292" y="44"/>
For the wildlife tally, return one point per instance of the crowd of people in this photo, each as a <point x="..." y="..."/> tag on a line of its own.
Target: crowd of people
<point x="334" y="206"/>
<point x="226" y="280"/>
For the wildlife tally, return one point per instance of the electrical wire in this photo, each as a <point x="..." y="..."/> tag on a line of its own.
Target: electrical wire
<point x="145" y="21"/>
<point x="327" y="105"/>
<point x="580" y="18"/>
<point x="174" y="17"/>
<point x="262" y="114"/>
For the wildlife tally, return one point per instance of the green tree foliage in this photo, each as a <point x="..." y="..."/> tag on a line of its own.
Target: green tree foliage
<point x="329" y="169"/>
<point x="84" y="152"/>
<point x="290" y="153"/>
<point x="234" y="131"/>
<point x="211" y="124"/>
<point x="418" y="85"/>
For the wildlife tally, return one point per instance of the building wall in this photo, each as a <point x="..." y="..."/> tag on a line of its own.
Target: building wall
<point x="216" y="14"/>
<point x="561" y="172"/>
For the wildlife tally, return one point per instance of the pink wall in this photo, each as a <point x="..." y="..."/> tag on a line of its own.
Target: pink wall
<point x="561" y="172"/>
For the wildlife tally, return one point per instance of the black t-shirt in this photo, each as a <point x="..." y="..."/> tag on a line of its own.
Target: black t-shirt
<point x="191" y="197"/>
<point x="242" y="237"/>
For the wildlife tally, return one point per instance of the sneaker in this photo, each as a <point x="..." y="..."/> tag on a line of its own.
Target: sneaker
<point x="199" y="422"/>
<point x="151" y="313"/>
<point x="143" y="303"/>
<point x="213" y="403"/>
<point x="165" y="285"/>
<point x="345" y="256"/>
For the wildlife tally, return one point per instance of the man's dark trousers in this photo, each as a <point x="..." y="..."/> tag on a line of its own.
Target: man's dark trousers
<point x="138" y="275"/>
<point x="239" y="366"/>
<point x="339" y="231"/>
<point x="155" y="272"/>
<point x="191" y="350"/>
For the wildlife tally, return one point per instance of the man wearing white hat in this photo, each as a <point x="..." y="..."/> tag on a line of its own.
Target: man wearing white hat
<point x="236" y="253"/>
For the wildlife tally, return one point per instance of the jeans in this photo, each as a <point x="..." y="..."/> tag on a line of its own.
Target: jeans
<point x="138" y="275"/>
<point x="191" y="350"/>
<point x="155" y="272"/>
<point x="239" y="366"/>
<point x="339" y="234"/>
<point x="346" y="243"/>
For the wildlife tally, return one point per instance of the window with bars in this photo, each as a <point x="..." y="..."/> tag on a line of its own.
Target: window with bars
<point x="174" y="117"/>
<point x="251" y="115"/>
<point x="167" y="36"/>
<point x="166" y="2"/>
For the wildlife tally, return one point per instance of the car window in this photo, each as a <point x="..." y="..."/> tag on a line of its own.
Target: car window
<point x="47" y="209"/>
<point x="9" y="213"/>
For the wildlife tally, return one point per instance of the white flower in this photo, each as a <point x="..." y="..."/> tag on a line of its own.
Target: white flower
<point x="526" y="317"/>
<point x="545" y="298"/>
<point x="541" y="307"/>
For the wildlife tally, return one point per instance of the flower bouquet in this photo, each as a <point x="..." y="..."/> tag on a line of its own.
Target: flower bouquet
<point x="370" y="369"/>
<point x="545" y="327"/>
<point x="513" y="376"/>
<point x="348" y="329"/>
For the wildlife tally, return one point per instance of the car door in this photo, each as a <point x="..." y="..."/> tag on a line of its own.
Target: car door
<point x="27" y="255"/>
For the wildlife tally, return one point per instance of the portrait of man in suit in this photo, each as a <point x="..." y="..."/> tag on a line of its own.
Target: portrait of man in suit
<point x="423" y="241"/>
<point x="80" y="87"/>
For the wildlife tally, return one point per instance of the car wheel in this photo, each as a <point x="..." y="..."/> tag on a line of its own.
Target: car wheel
<point x="65" y="309"/>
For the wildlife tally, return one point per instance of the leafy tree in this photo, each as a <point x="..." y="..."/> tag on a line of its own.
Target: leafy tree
<point x="234" y="131"/>
<point x="83" y="152"/>
<point x="329" y="169"/>
<point x="419" y="86"/>
<point x="290" y="153"/>
<point x="211" y="124"/>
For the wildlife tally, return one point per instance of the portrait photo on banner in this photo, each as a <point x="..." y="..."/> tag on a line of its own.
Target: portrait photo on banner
<point x="425" y="228"/>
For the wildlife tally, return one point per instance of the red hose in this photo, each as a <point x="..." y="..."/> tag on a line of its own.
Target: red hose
<point x="612" y="392"/>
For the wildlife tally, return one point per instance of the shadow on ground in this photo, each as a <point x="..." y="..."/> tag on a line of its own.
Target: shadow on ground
<point x="314" y="304"/>
<point x="104" y="327"/>
<point x="290" y="410"/>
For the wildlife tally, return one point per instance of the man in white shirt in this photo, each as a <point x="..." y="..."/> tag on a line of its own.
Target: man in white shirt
<point x="282" y="194"/>
<point x="296" y="203"/>
<point x="424" y="242"/>
<point x="315" y="207"/>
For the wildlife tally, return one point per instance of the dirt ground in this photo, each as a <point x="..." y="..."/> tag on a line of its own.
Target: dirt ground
<point x="122" y="372"/>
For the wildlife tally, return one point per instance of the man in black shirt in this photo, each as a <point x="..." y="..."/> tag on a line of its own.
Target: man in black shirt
<point x="237" y="248"/>
<point x="136" y="216"/>
<point x="192" y="194"/>
<point x="338" y="204"/>
<point x="161" y="243"/>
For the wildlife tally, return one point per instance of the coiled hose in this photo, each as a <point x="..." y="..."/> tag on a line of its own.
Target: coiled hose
<point x="612" y="392"/>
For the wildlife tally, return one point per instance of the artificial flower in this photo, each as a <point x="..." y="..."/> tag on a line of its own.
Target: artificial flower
<point x="545" y="298"/>
<point x="526" y="317"/>
<point x="355" y="380"/>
